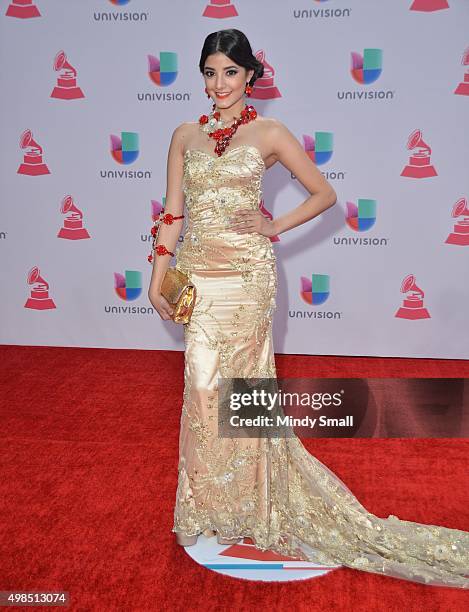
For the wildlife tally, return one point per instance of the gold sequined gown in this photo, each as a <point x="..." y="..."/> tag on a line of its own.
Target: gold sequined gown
<point x="272" y="490"/>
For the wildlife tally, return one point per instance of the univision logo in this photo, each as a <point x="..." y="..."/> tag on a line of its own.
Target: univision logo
<point x="314" y="291"/>
<point x="360" y="217"/>
<point x="366" y="68"/>
<point x="321" y="13"/>
<point x="128" y="287"/>
<point x="163" y="71"/>
<point x="120" y="15"/>
<point x="319" y="149"/>
<point x="125" y="150"/>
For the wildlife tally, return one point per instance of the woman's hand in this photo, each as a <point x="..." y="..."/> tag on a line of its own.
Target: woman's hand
<point x="247" y="221"/>
<point x="161" y="304"/>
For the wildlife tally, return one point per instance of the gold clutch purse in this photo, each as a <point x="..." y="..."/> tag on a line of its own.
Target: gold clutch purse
<point x="176" y="287"/>
<point x="180" y="293"/>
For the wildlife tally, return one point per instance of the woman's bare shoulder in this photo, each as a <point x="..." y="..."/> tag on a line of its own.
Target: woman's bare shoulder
<point x="186" y="127"/>
<point x="270" y="123"/>
<point x="183" y="133"/>
<point x="271" y="128"/>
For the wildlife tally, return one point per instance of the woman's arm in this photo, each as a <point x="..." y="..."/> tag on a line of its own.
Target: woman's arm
<point x="291" y="154"/>
<point x="169" y="234"/>
<point x="286" y="149"/>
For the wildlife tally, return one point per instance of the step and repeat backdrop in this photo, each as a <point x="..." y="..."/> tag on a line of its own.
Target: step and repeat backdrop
<point x="377" y="93"/>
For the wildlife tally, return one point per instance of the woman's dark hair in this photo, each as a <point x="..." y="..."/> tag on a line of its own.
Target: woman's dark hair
<point x="235" y="45"/>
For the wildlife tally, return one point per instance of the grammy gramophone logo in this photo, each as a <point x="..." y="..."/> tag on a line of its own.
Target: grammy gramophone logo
<point x="66" y="87"/>
<point x="23" y="9"/>
<point x="412" y="305"/>
<point x="220" y="9"/>
<point x="428" y="6"/>
<point x="463" y="88"/>
<point x="39" y="295"/>
<point x="460" y="233"/>
<point x="419" y="165"/>
<point x="264" y="87"/>
<point x="72" y="228"/>
<point x="33" y="164"/>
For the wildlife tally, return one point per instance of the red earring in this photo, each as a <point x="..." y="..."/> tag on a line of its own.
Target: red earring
<point x="248" y="90"/>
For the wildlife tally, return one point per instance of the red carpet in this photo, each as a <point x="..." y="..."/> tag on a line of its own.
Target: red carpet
<point x="89" y="471"/>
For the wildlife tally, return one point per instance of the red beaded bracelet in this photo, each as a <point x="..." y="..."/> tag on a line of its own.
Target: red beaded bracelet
<point x="168" y="219"/>
<point x="162" y="250"/>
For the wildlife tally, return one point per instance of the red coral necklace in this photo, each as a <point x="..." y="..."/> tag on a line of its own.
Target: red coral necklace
<point x="216" y="128"/>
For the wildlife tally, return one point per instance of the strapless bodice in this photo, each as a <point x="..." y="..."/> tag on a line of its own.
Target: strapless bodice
<point x="215" y="188"/>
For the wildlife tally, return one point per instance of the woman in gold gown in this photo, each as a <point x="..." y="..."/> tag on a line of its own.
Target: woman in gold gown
<point x="269" y="489"/>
